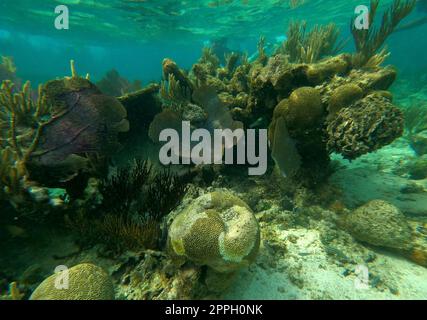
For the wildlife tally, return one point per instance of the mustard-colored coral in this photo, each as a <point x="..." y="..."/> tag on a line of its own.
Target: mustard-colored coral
<point x="21" y="123"/>
<point x="344" y="96"/>
<point x="85" y="282"/>
<point x="218" y="230"/>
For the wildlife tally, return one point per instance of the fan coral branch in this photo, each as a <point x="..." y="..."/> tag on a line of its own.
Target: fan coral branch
<point x="369" y="41"/>
<point x="309" y="47"/>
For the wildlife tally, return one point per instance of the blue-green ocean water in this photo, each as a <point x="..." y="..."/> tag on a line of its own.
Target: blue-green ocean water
<point x="134" y="36"/>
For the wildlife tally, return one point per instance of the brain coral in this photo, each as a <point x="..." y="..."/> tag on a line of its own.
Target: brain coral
<point x="302" y="110"/>
<point x="365" y="126"/>
<point x="218" y="230"/>
<point x="381" y="224"/>
<point x="86" y="282"/>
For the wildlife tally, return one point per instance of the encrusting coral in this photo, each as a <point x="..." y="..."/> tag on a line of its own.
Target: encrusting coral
<point x="218" y="230"/>
<point x="85" y="282"/>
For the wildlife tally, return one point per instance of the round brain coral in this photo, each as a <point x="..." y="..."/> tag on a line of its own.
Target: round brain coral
<point x="381" y="224"/>
<point x="218" y="230"/>
<point x="303" y="109"/>
<point x="86" y="282"/>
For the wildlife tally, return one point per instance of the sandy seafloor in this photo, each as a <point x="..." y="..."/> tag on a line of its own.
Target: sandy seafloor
<point x="307" y="269"/>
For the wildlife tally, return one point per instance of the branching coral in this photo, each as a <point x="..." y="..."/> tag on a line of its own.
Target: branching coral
<point x="369" y="41"/>
<point x="135" y="201"/>
<point x="21" y="124"/>
<point x="310" y="46"/>
<point x="8" y="64"/>
<point x="293" y="4"/>
<point x="8" y="69"/>
<point x="173" y="94"/>
<point x="262" y="56"/>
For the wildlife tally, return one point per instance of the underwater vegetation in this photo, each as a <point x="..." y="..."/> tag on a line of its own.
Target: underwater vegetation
<point x="304" y="46"/>
<point x="133" y="204"/>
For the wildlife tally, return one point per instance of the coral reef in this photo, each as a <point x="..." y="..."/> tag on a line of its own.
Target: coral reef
<point x="417" y="168"/>
<point x="13" y="294"/>
<point x="308" y="92"/>
<point x="381" y="224"/>
<point x="217" y="229"/>
<point x="86" y="282"/>
<point x="169" y="235"/>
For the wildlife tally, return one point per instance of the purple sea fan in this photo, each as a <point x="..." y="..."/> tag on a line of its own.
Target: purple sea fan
<point x="84" y="122"/>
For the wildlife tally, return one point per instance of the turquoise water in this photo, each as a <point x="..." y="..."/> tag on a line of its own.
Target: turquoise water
<point x="342" y="192"/>
<point x="144" y="32"/>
